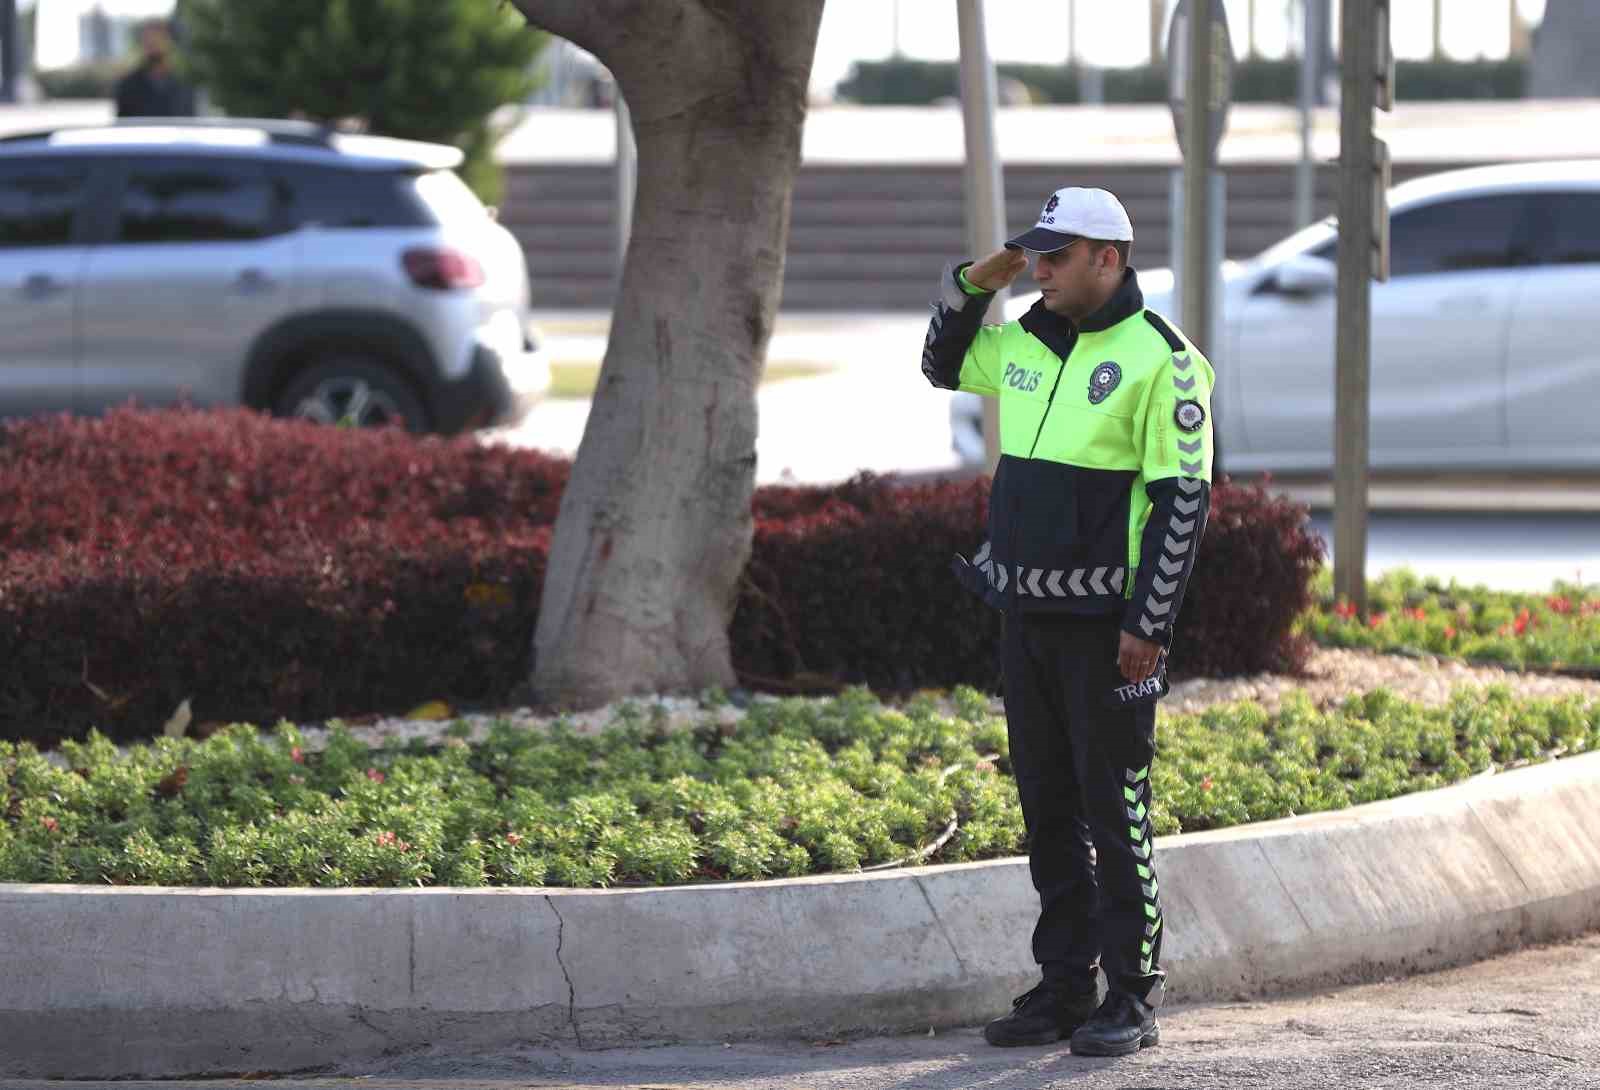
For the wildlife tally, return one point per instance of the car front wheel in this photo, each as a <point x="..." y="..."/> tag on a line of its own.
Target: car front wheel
<point x="355" y="392"/>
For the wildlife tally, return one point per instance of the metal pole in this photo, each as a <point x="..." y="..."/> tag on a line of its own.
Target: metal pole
<point x="1158" y="27"/>
<point x="1305" y="176"/>
<point x="1197" y="168"/>
<point x="627" y="178"/>
<point x="1438" y="30"/>
<point x="10" y="50"/>
<point x="985" y="185"/>
<point x="1353" y="346"/>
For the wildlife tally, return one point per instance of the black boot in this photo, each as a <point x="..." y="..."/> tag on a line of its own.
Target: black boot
<point x="1043" y="1016"/>
<point x="1124" y="1024"/>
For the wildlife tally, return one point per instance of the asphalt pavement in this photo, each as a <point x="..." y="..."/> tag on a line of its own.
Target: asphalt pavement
<point x="1521" y="1022"/>
<point x="876" y="412"/>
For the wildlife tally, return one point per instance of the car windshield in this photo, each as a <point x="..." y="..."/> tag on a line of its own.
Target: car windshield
<point x="1302" y="241"/>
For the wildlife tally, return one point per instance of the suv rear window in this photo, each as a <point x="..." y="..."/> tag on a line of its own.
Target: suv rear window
<point x="345" y="199"/>
<point x="38" y="202"/>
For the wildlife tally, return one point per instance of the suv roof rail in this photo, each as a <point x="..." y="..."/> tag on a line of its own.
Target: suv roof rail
<point x="305" y="133"/>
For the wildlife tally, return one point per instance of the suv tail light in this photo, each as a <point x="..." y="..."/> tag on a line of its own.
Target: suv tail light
<point x="442" y="269"/>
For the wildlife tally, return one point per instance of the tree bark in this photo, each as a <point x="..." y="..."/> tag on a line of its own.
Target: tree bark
<point x="654" y="528"/>
<point x="1564" y="50"/>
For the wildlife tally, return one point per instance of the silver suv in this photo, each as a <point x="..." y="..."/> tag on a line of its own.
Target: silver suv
<point x="276" y="265"/>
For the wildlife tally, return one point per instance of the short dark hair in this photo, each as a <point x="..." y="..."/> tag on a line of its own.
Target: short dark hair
<point x="1124" y="249"/>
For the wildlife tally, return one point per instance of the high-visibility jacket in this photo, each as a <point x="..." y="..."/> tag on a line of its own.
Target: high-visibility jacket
<point x="1100" y="499"/>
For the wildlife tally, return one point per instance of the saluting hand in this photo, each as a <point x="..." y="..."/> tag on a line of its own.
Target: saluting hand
<point x="997" y="270"/>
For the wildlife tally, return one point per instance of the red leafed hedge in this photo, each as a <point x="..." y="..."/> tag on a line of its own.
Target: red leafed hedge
<point x="267" y="569"/>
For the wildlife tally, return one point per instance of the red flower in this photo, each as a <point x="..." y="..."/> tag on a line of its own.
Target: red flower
<point x="384" y="839"/>
<point x="50" y="823"/>
<point x="1449" y="631"/>
<point x="1205" y="784"/>
<point x="1419" y="614"/>
<point x="1520" y="625"/>
<point x="374" y="775"/>
<point x="1345" y="609"/>
<point x="1377" y="620"/>
<point x="296" y="756"/>
<point x="513" y="839"/>
<point x="1559" y="605"/>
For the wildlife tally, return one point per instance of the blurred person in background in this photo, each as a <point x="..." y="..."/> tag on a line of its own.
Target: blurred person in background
<point x="154" y="89"/>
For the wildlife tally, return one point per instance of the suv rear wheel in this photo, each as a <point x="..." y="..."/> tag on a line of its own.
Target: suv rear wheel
<point x="355" y="390"/>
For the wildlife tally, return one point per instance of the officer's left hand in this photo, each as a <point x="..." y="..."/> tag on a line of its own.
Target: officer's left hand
<point x="1137" y="658"/>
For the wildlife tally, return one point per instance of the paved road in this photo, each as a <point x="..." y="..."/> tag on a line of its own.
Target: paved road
<point x="1522" y="1022"/>
<point x="877" y="412"/>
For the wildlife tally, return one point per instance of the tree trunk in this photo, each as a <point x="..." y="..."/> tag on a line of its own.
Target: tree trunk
<point x="1564" y="51"/>
<point x="654" y="528"/>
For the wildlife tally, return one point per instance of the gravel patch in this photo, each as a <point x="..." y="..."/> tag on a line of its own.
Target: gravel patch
<point x="1332" y="676"/>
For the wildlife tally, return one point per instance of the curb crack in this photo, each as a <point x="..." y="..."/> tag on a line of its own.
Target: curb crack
<point x="940" y="925"/>
<point x="572" y="992"/>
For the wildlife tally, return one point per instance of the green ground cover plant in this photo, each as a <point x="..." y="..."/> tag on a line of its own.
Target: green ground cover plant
<point x="1554" y="630"/>
<point x="795" y="787"/>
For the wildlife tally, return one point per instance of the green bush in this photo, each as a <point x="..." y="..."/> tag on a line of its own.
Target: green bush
<point x="418" y="69"/>
<point x="1558" y="629"/>
<point x="796" y="787"/>
<point x="96" y="80"/>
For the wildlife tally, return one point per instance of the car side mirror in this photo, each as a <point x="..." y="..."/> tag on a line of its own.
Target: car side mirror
<point x="1307" y="276"/>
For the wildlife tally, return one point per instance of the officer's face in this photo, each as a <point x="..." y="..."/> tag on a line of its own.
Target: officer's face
<point x="1072" y="280"/>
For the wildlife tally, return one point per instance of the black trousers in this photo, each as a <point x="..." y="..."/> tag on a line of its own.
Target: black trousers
<point x="1083" y="773"/>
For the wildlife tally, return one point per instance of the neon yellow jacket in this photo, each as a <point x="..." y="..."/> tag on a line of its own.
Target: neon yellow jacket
<point x="1100" y="499"/>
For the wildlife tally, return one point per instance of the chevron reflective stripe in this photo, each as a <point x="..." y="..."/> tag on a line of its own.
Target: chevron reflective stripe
<point x="1051" y="582"/>
<point x="1135" y="791"/>
<point x="1164" y="586"/>
<point x="1170" y="566"/>
<point x="1189" y="485"/>
<point x="1182" y="526"/>
<point x="1181" y="361"/>
<point x="981" y="555"/>
<point x="1186" y="507"/>
<point x="1191" y="468"/>
<point x="1184" y="384"/>
<point x="1191" y="447"/>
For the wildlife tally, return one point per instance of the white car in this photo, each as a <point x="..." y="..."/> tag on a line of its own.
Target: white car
<point x="273" y="264"/>
<point x="1485" y="340"/>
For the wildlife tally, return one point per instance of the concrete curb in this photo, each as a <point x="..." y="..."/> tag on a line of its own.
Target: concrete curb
<point x="99" y="982"/>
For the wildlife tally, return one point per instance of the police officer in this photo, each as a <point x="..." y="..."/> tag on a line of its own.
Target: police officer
<point x="1096" y="513"/>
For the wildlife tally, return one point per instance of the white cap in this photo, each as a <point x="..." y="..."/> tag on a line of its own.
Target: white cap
<point x="1072" y="214"/>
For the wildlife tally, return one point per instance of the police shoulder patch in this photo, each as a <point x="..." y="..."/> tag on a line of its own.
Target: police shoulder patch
<point x="1189" y="415"/>
<point x="1102" y="381"/>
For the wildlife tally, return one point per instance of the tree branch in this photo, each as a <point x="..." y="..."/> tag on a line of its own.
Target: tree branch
<point x="595" y="25"/>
